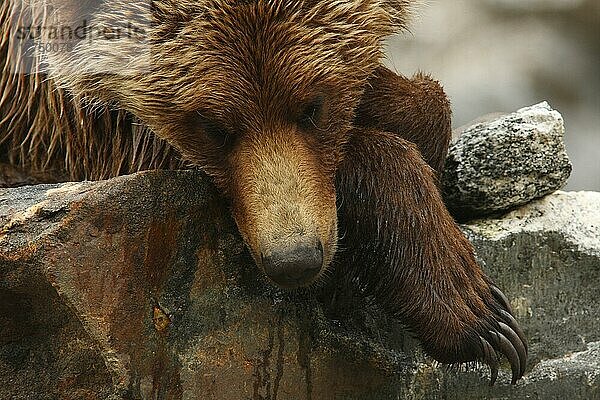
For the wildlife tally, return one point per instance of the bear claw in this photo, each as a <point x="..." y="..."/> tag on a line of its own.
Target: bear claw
<point x="517" y="344"/>
<point x="509" y="343"/>
<point x="512" y="323"/>
<point x="507" y="348"/>
<point x="501" y="298"/>
<point x="507" y="339"/>
<point x="490" y="358"/>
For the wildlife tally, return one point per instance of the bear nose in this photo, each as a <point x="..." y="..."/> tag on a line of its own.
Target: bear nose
<point x="294" y="266"/>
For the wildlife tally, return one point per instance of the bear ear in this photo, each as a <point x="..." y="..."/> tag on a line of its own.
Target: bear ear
<point x="356" y="28"/>
<point x="401" y="12"/>
<point x="380" y="17"/>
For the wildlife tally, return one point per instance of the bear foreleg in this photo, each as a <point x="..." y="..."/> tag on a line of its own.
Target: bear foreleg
<point x="402" y="244"/>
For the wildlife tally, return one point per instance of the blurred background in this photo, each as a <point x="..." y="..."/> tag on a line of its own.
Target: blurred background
<point x="502" y="55"/>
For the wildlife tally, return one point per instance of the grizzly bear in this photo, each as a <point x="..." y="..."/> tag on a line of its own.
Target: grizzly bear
<point x="286" y="105"/>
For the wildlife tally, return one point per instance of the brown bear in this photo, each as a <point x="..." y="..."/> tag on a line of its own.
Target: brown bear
<point x="285" y="104"/>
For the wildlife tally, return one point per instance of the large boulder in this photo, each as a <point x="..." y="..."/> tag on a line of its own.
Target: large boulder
<point x="503" y="163"/>
<point x="140" y="288"/>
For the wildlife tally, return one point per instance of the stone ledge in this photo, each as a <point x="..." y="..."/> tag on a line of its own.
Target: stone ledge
<point x="140" y="286"/>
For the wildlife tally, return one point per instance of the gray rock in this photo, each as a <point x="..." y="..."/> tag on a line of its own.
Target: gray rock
<point x="503" y="54"/>
<point x="574" y="376"/>
<point x="139" y="287"/>
<point x="504" y="163"/>
<point x="547" y="256"/>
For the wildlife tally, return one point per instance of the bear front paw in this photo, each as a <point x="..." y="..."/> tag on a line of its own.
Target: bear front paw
<point x="487" y="334"/>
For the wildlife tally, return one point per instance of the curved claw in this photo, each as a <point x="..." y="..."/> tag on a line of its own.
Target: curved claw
<point x="511" y="353"/>
<point x="501" y="298"/>
<point x="517" y="345"/>
<point x="512" y="322"/>
<point x="490" y="358"/>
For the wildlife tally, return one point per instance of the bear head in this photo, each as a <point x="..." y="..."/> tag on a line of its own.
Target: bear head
<point x="260" y="94"/>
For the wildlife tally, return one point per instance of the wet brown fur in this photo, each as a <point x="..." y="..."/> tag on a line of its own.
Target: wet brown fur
<point x="226" y="91"/>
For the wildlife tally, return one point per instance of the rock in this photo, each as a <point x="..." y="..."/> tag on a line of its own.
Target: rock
<point x="572" y="376"/>
<point x="140" y="287"/>
<point x="501" y="164"/>
<point x="547" y="256"/>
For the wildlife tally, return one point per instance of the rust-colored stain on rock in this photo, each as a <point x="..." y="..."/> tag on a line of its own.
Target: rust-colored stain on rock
<point x="160" y="318"/>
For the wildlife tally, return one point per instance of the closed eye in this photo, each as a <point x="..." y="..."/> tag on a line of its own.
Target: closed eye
<point x="213" y="130"/>
<point x="312" y="114"/>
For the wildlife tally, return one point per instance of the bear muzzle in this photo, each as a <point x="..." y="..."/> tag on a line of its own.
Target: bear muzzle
<point x="284" y="204"/>
<point x="294" y="266"/>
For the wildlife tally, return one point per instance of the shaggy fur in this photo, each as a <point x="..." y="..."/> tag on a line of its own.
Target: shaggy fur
<point x="286" y="106"/>
<point x="50" y="134"/>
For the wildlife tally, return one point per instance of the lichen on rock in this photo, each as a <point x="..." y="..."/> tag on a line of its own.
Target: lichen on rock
<point x="497" y="165"/>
